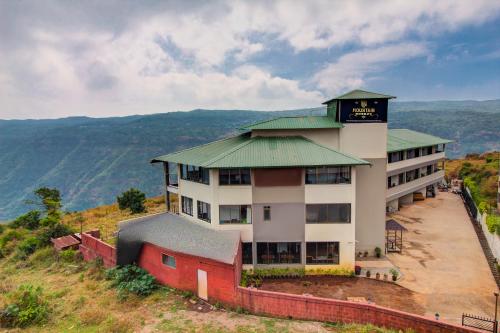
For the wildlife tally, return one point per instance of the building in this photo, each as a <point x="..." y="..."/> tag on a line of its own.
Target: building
<point x="299" y="191"/>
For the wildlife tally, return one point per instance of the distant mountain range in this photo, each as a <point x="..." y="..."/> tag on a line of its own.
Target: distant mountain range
<point x="92" y="160"/>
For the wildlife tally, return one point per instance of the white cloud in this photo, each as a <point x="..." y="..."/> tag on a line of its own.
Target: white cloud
<point x="351" y="70"/>
<point x="123" y="57"/>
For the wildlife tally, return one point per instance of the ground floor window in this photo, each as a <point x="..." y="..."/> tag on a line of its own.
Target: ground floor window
<point x="235" y="214"/>
<point x="278" y="253"/>
<point x="187" y="205"/>
<point x="322" y="253"/>
<point x="168" y="260"/>
<point x="247" y="253"/>
<point x="204" y="211"/>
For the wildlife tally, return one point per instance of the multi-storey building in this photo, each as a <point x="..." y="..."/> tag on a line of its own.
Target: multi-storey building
<point x="306" y="191"/>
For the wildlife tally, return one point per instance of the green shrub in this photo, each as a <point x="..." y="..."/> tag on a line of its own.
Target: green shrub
<point x="56" y="230"/>
<point x="483" y="207"/>
<point x="132" y="199"/>
<point x="69" y="256"/>
<point x="2" y="228"/>
<point x="30" y="220"/>
<point x="493" y="223"/>
<point x="27" y="307"/>
<point x="28" y="246"/>
<point x="42" y="257"/>
<point x="132" y="279"/>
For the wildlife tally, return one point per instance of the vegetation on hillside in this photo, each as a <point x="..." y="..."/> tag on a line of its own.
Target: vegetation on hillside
<point x="45" y="291"/>
<point x="480" y="175"/>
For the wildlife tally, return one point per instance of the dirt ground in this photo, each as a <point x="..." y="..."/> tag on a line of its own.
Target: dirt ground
<point x="382" y="293"/>
<point x="442" y="260"/>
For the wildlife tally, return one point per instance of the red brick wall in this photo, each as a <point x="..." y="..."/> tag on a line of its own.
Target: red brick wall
<point x="221" y="278"/>
<point x="92" y="247"/>
<point x="331" y="310"/>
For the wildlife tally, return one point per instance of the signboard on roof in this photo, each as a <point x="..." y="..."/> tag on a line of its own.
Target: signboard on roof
<point x="363" y="111"/>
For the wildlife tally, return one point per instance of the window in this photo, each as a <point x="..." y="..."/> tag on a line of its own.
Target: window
<point x="247" y="253"/>
<point x="235" y="214"/>
<point x="427" y="151"/>
<point x="234" y="177"/>
<point x="412" y="175"/>
<point x="401" y="178"/>
<point x="187" y="205"/>
<point x="429" y="169"/>
<point x="267" y="213"/>
<point x="168" y="260"/>
<point x="412" y="153"/>
<point x="395" y="156"/>
<point x="328" y="213"/>
<point x="439" y="148"/>
<point x="195" y="174"/>
<point x="328" y="175"/>
<point x="203" y="211"/>
<point x="322" y="253"/>
<point x="278" y="253"/>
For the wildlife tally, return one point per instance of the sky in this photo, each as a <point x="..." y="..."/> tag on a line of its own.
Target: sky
<point x="115" y="58"/>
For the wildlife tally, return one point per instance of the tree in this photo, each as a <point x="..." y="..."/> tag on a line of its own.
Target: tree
<point x="132" y="199"/>
<point x="50" y="200"/>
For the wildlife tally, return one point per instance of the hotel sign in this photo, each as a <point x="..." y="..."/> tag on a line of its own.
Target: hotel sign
<point x="363" y="111"/>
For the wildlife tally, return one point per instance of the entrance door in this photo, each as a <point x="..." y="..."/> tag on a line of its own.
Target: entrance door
<point x="202" y="285"/>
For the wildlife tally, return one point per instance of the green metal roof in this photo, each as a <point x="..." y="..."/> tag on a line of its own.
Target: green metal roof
<point x="243" y="151"/>
<point x="401" y="139"/>
<point x="295" y="123"/>
<point x="359" y="94"/>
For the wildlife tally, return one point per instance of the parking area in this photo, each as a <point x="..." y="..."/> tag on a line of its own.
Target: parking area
<point x="442" y="260"/>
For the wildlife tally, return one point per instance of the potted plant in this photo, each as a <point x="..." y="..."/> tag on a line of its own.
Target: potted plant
<point x="378" y="252"/>
<point x="386" y="277"/>
<point x="366" y="254"/>
<point x="360" y="254"/>
<point x="377" y="276"/>
<point x="394" y="274"/>
<point x="357" y="270"/>
<point x="368" y="273"/>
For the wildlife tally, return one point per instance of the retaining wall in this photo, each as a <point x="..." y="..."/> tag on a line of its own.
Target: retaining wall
<point x="92" y="247"/>
<point x="331" y="310"/>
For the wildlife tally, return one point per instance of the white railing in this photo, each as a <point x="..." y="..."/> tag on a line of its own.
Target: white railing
<point x="414" y="185"/>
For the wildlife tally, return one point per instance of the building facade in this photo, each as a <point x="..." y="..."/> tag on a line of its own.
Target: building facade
<point x="305" y="191"/>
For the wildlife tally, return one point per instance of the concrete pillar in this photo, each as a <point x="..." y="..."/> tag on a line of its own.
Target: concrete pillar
<point x="393" y="205"/>
<point x="406" y="199"/>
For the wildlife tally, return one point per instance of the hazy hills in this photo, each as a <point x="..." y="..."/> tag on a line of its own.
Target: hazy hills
<point x="93" y="160"/>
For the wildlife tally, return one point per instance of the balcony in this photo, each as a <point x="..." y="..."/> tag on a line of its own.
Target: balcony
<point x="410" y="187"/>
<point x="414" y="162"/>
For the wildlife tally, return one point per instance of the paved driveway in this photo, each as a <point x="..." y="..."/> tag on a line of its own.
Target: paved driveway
<point x="442" y="260"/>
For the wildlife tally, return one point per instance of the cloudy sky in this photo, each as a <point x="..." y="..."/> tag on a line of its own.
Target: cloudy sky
<point x="113" y="58"/>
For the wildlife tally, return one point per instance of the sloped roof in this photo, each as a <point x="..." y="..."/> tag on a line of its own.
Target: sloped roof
<point x="359" y="94"/>
<point x="178" y="234"/>
<point x="401" y="139"/>
<point x="307" y="122"/>
<point x="243" y="151"/>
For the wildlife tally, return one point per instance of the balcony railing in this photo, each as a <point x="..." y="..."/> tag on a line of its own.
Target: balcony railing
<point x="411" y="186"/>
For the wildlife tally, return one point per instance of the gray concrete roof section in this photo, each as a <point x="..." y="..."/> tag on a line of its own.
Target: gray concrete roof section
<point x="178" y="234"/>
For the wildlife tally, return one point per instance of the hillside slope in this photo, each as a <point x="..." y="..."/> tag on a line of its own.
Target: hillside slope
<point x="93" y="160"/>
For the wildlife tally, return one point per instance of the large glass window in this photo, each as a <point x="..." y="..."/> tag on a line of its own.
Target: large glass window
<point x="278" y="253"/>
<point x="195" y="174"/>
<point x="247" y="253"/>
<point x="267" y="213"/>
<point x="412" y="175"/>
<point x="187" y="205"/>
<point x="234" y="177"/>
<point x="395" y="156"/>
<point x="328" y="213"/>
<point x="439" y="148"/>
<point x="322" y="253"/>
<point x="412" y="153"/>
<point x="235" y="214"/>
<point x="328" y="175"/>
<point x="427" y="151"/>
<point x="203" y="211"/>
